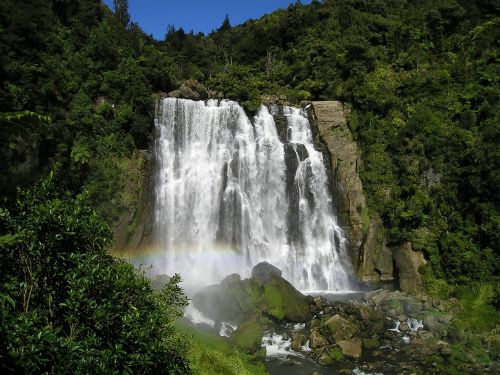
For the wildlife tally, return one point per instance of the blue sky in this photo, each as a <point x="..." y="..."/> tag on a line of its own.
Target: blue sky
<point x="153" y="16"/>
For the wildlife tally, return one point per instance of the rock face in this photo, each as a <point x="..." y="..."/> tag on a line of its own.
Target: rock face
<point x="190" y="90"/>
<point x="134" y="228"/>
<point x="408" y="263"/>
<point x="371" y="257"/>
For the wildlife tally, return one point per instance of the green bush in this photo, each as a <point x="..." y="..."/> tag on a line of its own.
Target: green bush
<point x="68" y="306"/>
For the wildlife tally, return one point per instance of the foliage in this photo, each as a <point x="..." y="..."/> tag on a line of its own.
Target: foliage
<point x="67" y="306"/>
<point x="211" y="354"/>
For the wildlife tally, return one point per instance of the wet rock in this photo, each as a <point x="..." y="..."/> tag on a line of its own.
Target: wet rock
<point x="159" y="281"/>
<point x="315" y="323"/>
<point x="316" y="340"/>
<point x="229" y="301"/>
<point x="345" y="159"/>
<point x="351" y="348"/>
<point x="403" y="327"/>
<point x="264" y="272"/>
<point x="298" y="340"/>
<point x="340" y="328"/>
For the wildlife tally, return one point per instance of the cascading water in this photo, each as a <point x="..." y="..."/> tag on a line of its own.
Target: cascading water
<point x="230" y="193"/>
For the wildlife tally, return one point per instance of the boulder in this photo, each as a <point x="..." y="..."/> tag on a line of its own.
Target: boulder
<point x="378" y="297"/>
<point x="351" y="348"/>
<point x="432" y="324"/>
<point x="248" y="337"/>
<point x="325" y="360"/>
<point x="408" y="263"/>
<point x="264" y="272"/>
<point x="298" y="340"/>
<point x="188" y="93"/>
<point x="371" y="343"/>
<point x="316" y="340"/>
<point x="229" y="301"/>
<point x="282" y="301"/>
<point x="340" y="328"/>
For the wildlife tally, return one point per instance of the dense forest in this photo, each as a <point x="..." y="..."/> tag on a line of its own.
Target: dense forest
<point x="78" y="85"/>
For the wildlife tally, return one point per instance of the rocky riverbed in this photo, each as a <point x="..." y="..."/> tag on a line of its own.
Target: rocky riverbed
<point x="377" y="332"/>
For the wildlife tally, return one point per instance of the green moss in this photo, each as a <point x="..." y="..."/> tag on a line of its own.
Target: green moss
<point x="282" y="301"/>
<point x="274" y="302"/>
<point x="394" y="304"/>
<point x="336" y="354"/>
<point x="370" y="344"/>
<point x="248" y="337"/>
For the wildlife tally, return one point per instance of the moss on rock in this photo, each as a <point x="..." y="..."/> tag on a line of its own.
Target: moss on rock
<point x="283" y="302"/>
<point x="248" y="337"/>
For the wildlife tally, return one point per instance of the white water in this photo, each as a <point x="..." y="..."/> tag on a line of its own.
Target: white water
<point x="223" y="203"/>
<point x="277" y="347"/>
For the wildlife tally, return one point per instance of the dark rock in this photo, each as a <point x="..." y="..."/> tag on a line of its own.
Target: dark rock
<point x="264" y="272"/>
<point x="371" y="343"/>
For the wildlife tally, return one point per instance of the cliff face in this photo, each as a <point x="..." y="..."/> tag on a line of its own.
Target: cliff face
<point x="372" y="259"/>
<point x="134" y="229"/>
<point x="370" y="256"/>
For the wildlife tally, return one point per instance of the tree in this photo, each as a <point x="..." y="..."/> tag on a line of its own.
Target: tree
<point x="226" y="25"/>
<point x="68" y="306"/>
<point x="121" y="12"/>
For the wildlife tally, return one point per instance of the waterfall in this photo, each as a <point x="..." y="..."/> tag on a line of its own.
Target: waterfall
<point x="230" y="193"/>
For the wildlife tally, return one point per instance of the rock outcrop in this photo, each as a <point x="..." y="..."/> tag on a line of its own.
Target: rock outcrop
<point x="134" y="228"/>
<point x="266" y="294"/>
<point x="192" y="90"/>
<point x="370" y="255"/>
<point x="408" y="263"/>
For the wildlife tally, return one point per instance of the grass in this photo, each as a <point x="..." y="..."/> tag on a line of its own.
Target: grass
<point x="210" y="354"/>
